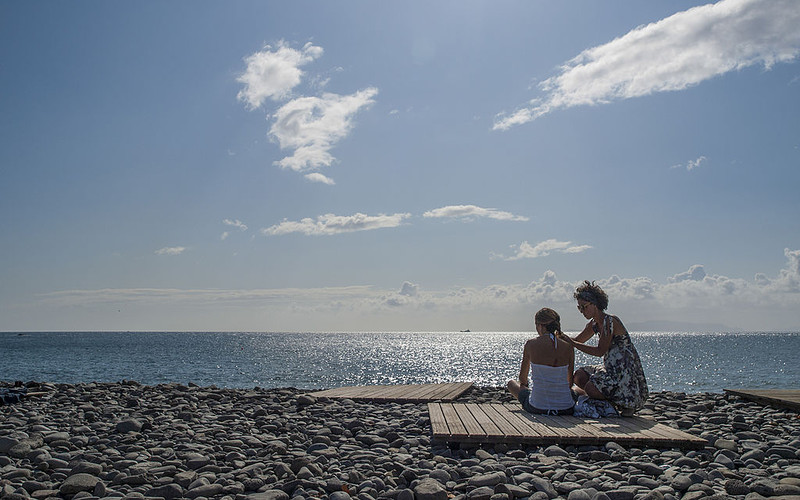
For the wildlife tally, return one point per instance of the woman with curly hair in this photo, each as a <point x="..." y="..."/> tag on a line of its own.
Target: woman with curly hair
<point x="549" y="359"/>
<point x="620" y="379"/>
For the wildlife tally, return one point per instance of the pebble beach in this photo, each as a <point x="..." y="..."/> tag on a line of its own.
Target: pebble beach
<point x="127" y="440"/>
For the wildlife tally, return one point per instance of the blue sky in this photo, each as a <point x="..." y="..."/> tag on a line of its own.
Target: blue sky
<point x="315" y="166"/>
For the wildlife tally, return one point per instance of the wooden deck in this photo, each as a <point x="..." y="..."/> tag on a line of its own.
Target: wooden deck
<point x="420" y="393"/>
<point x="782" y="398"/>
<point x="508" y="423"/>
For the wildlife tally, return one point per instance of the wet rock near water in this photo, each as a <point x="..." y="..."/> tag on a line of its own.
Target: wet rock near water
<point x="126" y="440"/>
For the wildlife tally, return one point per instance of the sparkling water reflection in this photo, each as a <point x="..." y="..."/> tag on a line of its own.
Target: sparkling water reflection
<point x="676" y="361"/>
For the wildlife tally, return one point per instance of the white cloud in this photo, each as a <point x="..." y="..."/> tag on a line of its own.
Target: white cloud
<point x="170" y="251"/>
<point x="469" y="212"/>
<point x="672" y="54"/>
<point x="312" y="125"/>
<point x="224" y="235"/>
<point x="409" y="289"/>
<point x="695" y="273"/>
<point x="329" y="224"/>
<point x="308" y="125"/>
<point x="527" y="251"/>
<point x="235" y="223"/>
<point x="274" y="72"/>
<point x="692" y="164"/>
<point x="318" y="177"/>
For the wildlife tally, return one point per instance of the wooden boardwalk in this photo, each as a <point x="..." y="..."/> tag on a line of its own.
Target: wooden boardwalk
<point x="782" y="398"/>
<point x="419" y="393"/>
<point x="508" y="423"/>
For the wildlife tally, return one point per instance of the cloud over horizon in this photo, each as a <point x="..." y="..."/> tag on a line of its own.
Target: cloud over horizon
<point x="672" y="54"/>
<point x="694" y="294"/>
<point x="308" y="125"/>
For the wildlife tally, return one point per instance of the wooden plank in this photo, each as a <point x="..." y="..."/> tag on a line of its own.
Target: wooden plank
<point x="433" y="391"/>
<point x="474" y="429"/>
<point x="560" y="428"/>
<point x="399" y="393"/>
<point x="624" y="432"/>
<point x="458" y="430"/>
<point x="780" y="398"/>
<point x="423" y="392"/>
<point x="490" y="429"/>
<point x="456" y="390"/>
<point x="590" y="431"/>
<point x="438" y="422"/>
<point x="536" y="433"/>
<point x="509" y="423"/>
<point x="510" y="433"/>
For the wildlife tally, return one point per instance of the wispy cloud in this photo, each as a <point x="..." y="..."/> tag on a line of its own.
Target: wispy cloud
<point x="170" y="251"/>
<point x="232" y="222"/>
<point x="318" y="177"/>
<point x="235" y="223"/>
<point x="308" y="125"/>
<point x="672" y="54"/>
<point x="329" y="224"/>
<point x="692" y="164"/>
<point x="527" y="251"/>
<point x="471" y="212"/>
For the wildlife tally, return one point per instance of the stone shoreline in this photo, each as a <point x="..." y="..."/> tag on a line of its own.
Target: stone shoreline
<point x="126" y="440"/>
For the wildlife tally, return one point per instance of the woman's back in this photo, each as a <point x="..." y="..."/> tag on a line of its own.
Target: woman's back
<point x="549" y="350"/>
<point x="551" y="372"/>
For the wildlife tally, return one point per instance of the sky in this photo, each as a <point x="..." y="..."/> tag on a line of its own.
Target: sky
<point x="398" y="166"/>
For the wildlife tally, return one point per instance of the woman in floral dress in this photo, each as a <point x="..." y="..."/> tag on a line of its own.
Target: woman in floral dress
<point x="620" y="379"/>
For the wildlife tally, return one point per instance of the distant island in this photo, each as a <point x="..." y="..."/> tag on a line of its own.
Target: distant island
<point x="678" y="326"/>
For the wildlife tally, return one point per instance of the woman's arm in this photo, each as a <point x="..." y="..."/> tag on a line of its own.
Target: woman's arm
<point x="603" y="343"/>
<point x="526" y="365"/>
<point x="571" y="366"/>
<point x="586" y="334"/>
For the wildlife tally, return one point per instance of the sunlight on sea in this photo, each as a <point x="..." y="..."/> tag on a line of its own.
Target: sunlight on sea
<point x="674" y="361"/>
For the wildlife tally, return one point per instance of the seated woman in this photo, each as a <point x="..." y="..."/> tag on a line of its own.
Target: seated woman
<point x="550" y="360"/>
<point x="620" y="379"/>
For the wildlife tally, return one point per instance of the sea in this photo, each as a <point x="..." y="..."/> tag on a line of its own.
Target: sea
<point x="687" y="362"/>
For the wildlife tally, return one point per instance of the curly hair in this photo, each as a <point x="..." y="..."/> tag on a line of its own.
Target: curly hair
<point x="591" y="292"/>
<point x="549" y="318"/>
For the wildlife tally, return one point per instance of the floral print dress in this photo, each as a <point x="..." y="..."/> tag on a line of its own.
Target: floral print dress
<point x="621" y="377"/>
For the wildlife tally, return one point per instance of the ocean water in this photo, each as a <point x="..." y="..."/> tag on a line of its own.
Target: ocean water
<point x="674" y="361"/>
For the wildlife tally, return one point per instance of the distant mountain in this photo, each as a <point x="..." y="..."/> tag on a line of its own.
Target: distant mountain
<point x="678" y="326"/>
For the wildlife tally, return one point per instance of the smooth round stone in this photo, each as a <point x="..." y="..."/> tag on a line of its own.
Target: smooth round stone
<point x="555" y="451"/>
<point x="725" y="444"/>
<point x="440" y="475"/>
<point x="282" y="495"/>
<point x="129" y="425"/>
<point x="430" y="489"/>
<point x="78" y="482"/>
<point x="482" y="493"/>
<point x="681" y="482"/>
<point x="88" y="468"/>
<point x="687" y="462"/>
<point x="490" y="479"/>
<point x="736" y="487"/>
